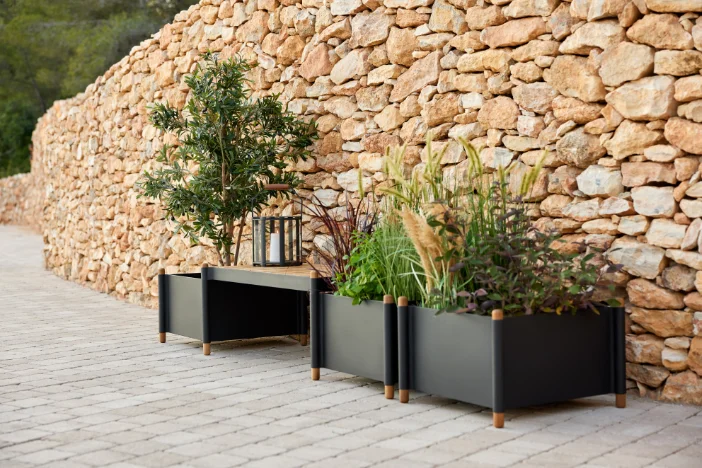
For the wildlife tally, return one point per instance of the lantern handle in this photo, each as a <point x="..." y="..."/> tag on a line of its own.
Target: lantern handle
<point x="276" y="187"/>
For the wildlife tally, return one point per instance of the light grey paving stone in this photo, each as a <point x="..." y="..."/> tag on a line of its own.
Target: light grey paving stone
<point x="43" y="456"/>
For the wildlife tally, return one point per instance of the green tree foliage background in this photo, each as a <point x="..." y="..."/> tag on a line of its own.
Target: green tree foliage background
<point x="53" y="49"/>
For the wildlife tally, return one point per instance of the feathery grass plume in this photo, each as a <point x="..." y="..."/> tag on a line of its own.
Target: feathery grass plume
<point x="426" y="242"/>
<point x="529" y="179"/>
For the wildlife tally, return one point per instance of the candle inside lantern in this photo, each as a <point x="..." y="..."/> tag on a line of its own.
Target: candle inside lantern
<point x="274" y="253"/>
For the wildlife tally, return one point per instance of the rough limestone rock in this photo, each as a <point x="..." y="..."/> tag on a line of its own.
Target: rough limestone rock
<point x="422" y="73"/>
<point x="513" y="33"/>
<point x="674" y="6"/>
<point x="599" y="181"/>
<point x="637" y="258"/>
<point x="674" y="359"/>
<point x="685" y="387"/>
<point x="596" y="35"/>
<point x="684" y="134"/>
<point x="626" y="62"/>
<point x="500" y="113"/>
<point x="579" y="149"/>
<point x="567" y="108"/>
<point x="644" y="293"/>
<point x="368" y="29"/>
<point x="643" y="173"/>
<point x="661" y="32"/>
<point x="653" y="376"/>
<point x="571" y="76"/>
<point x="631" y="138"/>
<point x="657" y="202"/>
<point x="644" y="349"/>
<point x="446" y="18"/>
<point x="666" y="233"/>
<point x="679" y="278"/>
<point x="645" y="99"/>
<point x="677" y="62"/>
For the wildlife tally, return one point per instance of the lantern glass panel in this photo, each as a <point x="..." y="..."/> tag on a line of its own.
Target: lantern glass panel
<point x="277" y="240"/>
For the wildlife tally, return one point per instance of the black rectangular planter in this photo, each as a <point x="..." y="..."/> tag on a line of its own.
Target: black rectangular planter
<point x="354" y="339"/>
<point x="222" y="304"/>
<point x="512" y="362"/>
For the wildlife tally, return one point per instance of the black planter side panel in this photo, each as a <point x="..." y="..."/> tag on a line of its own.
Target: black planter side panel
<point x="352" y="336"/>
<point x="239" y="311"/>
<point x="550" y="358"/>
<point x="184" y="305"/>
<point x="451" y="355"/>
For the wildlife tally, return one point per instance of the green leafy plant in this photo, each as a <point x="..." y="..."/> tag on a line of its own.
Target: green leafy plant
<point x="384" y="262"/>
<point x="230" y="147"/>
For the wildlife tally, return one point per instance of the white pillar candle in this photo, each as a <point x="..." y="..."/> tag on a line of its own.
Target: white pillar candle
<point x="274" y="254"/>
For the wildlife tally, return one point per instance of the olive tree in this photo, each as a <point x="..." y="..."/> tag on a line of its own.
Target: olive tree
<point x="230" y="146"/>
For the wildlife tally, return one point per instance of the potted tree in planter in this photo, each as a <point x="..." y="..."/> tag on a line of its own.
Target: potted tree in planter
<point x="517" y="323"/>
<point x="231" y="150"/>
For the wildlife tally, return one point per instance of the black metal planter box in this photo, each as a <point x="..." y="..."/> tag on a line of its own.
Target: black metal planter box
<point x="354" y="339"/>
<point x="512" y="362"/>
<point x="221" y="304"/>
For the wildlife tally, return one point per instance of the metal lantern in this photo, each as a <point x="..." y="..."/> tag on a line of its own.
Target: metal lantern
<point x="277" y="240"/>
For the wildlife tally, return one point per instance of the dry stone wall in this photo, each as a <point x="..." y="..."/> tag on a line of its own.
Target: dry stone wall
<point x="610" y="89"/>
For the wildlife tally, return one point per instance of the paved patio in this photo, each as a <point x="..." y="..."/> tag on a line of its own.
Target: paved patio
<point x="84" y="382"/>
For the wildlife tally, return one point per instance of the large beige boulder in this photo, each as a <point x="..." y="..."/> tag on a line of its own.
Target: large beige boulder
<point x="572" y="76"/>
<point x="644" y="349"/>
<point x="599" y="181"/>
<point x="664" y="323"/>
<point x="501" y="113"/>
<point x="515" y="32"/>
<point x="677" y="62"/>
<point x="661" y="32"/>
<point x="631" y="138"/>
<point x="422" y="73"/>
<point x="369" y="29"/>
<point x="636" y="174"/>
<point x="637" y="258"/>
<point x="684" y="134"/>
<point x="665" y="233"/>
<point x="579" y="149"/>
<point x="674" y="6"/>
<point x="595" y="35"/>
<point x="447" y="18"/>
<point x="645" y="99"/>
<point x="656" y="202"/>
<point x="626" y="62"/>
<point x="400" y="45"/>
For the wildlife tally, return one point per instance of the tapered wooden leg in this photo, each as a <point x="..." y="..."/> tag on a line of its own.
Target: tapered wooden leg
<point x="404" y="396"/>
<point x="315" y="373"/>
<point x="206" y="349"/>
<point x="621" y="400"/>
<point x="498" y="420"/>
<point x="389" y="392"/>
<point x="162" y="337"/>
<point x="303" y="340"/>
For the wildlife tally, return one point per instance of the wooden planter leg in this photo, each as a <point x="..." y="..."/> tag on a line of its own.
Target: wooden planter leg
<point x="315" y="373"/>
<point x="162" y="337"/>
<point x="404" y="396"/>
<point x="621" y="400"/>
<point x="302" y="339"/>
<point x="389" y="392"/>
<point x="206" y="349"/>
<point x="498" y="420"/>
